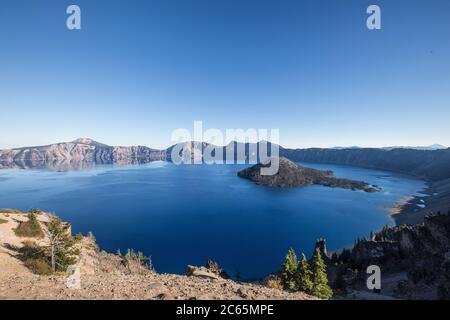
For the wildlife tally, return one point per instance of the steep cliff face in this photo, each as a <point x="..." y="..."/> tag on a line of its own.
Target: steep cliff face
<point x="81" y="151"/>
<point x="429" y="164"/>
<point x="187" y="152"/>
<point x="50" y="153"/>
<point x="136" y="153"/>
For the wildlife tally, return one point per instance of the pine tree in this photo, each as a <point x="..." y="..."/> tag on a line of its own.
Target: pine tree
<point x="320" y="287"/>
<point x="33" y="221"/>
<point x="304" y="275"/>
<point x="61" y="251"/>
<point x="288" y="271"/>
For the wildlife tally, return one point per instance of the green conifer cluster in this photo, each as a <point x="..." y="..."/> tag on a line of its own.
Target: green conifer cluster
<point x="302" y="276"/>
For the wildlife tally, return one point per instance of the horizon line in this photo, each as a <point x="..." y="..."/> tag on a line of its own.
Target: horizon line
<point x="437" y="145"/>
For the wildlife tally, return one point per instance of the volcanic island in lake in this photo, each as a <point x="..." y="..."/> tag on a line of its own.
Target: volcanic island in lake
<point x="291" y="175"/>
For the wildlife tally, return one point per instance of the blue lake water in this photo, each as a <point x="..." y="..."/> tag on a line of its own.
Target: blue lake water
<point x="182" y="215"/>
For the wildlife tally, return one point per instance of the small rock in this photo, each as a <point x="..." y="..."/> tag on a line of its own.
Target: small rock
<point x="245" y="294"/>
<point x="157" y="286"/>
<point x="165" y="296"/>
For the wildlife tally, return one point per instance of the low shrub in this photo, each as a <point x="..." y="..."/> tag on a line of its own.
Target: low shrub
<point x="30" y="228"/>
<point x="78" y="237"/>
<point x="274" y="282"/>
<point x="35" y="258"/>
<point x="2" y="221"/>
<point x="35" y="211"/>
<point x="39" y="266"/>
<point x="137" y="261"/>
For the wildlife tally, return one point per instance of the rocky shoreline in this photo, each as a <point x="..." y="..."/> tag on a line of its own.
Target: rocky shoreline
<point x="435" y="198"/>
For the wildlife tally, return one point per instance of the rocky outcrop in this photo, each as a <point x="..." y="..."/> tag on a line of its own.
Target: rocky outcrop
<point x="291" y="174"/>
<point x="200" y="272"/>
<point x="416" y="257"/>
<point x="211" y="271"/>
<point x="321" y="245"/>
<point x="213" y="266"/>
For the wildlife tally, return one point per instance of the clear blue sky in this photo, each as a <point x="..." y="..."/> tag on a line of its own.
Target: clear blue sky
<point x="139" y="69"/>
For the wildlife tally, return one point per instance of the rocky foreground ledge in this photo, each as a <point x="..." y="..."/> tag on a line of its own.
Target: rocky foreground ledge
<point x="105" y="276"/>
<point x="291" y="175"/>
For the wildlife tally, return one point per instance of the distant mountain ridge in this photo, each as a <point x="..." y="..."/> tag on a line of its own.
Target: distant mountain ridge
<point x="90" y="142"/>
<point x="430" y="147"/>
<point x="432" y="165"/>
